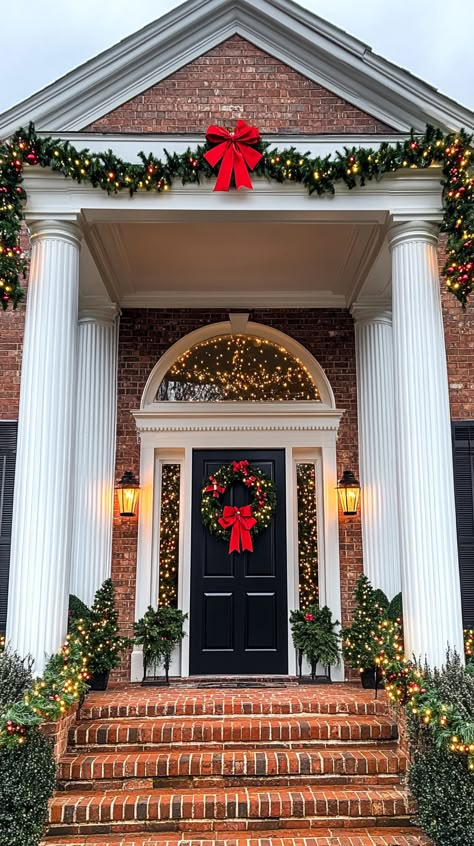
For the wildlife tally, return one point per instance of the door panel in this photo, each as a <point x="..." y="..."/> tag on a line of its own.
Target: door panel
<point x="238" y="619"/>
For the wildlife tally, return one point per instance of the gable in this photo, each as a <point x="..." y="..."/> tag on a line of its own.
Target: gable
<point x="236" y="80"/>
<point x="318" y="51"/>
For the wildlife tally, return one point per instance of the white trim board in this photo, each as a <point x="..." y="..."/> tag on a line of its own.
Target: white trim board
<point x="305" y="42"/>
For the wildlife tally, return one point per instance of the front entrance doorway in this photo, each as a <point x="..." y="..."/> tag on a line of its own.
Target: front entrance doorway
<point x="238" y="609"/>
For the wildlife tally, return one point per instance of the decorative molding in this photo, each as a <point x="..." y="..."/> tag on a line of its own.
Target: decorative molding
<point x="157" y="426"/>
<point x="213" y="330"/>
<point x="313" y="47"/>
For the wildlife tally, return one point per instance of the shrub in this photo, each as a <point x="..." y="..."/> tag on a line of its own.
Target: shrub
<point x="27" y="779"/>
<point x="27" y="768"/>
<point x="15" y="677"/>
<point x="314" y="636"/>
<point x="439" y="780"/>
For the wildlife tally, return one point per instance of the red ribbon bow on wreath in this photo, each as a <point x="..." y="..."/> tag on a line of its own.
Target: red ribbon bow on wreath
<point x="241" y="521"/>
<point x="237" y="154"/>
<point x="214" y="487"/>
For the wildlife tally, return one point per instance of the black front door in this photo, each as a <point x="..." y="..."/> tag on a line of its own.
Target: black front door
<point x="239" y="615"/>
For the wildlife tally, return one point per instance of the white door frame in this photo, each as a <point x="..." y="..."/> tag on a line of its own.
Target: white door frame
<point x="306" y="431"/>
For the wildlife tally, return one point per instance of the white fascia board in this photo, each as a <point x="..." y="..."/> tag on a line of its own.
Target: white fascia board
<point x="409" y="193"/>
<point x="311" y="46"/>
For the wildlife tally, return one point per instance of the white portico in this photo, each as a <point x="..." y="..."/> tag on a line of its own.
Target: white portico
<point x="383" y="242"/>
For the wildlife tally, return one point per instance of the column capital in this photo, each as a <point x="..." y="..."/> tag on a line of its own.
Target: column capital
<point x="59" y="230"/>
<point x="413" y="230"/>
<point x="106" y="314"/>
<point x="372" y="312"/>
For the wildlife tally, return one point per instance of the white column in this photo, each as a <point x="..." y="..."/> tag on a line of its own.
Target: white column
<point x="377" y="457"/>
<point x="42" y="509"/>
<point x="94" y="460"/>
<point x="428" y="545"/>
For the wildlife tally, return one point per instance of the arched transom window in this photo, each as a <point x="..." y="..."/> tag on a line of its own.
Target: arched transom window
<point x="237" y="368"/>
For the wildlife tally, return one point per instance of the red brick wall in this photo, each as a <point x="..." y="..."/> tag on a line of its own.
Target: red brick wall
<point x="238" y="80"/>
<point x="146" y="334"/>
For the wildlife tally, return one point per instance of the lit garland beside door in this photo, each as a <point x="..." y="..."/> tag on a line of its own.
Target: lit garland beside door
<point x="169" y="535"/>
<point x="307" y="534"/>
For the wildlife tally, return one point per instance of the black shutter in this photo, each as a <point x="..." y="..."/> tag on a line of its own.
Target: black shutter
<point x="463" y="449"/>
<point x="8" y="432"/>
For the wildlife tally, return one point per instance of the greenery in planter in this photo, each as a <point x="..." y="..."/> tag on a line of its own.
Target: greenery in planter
<point x="78" y="610"/>
<point x="314" y="635"/>
<point x="100" y="632"/>
<point x="27" y="768"/>
<point x="159" y="631"/>
<point x="360" y="644"/>
<point x="440" y="782"/>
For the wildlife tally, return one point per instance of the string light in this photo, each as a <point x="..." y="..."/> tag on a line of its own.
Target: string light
<point x="237" y="368"/>
<point x="169" y="535"/>
<point x="307" y="534"/>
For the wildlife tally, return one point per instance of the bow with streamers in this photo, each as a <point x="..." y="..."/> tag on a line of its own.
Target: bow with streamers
<point x="236" y="149"/>
<point x="214" y="487"/>
<point x="241" y="521"/>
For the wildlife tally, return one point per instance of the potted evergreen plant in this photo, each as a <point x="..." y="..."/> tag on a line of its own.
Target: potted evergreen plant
<point x="315" y="637"/>
<point x="159" y="631"/>
<point x="99" y="632"/>
<point x="361" y="641"/>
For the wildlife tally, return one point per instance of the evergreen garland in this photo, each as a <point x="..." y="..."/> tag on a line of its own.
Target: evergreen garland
<point x="353" y="167"/>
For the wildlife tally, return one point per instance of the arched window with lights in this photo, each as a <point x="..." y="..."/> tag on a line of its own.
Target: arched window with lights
<point x="237" y="368"/>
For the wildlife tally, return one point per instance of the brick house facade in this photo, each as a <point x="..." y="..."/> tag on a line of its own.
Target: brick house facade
<point x="234" y="79"/>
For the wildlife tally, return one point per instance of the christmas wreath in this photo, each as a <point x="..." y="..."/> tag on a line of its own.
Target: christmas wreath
<point x="238" y="524"/>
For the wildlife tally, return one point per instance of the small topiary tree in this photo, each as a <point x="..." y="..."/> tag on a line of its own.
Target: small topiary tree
<point x="359" y="640"/>
<point x="101" y="633"/>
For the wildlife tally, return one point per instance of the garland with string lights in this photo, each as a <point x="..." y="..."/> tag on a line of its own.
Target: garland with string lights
<point x="63" y="682"/>
<point x="224" y="521"/>
<point x="353" y="167"/>
<point x="307" y="534"/>
<point x="169" y="536"/>
<point x="407" y="685"/>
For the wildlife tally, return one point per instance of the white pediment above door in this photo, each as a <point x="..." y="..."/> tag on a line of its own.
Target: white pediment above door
<point x="311" y="46"/>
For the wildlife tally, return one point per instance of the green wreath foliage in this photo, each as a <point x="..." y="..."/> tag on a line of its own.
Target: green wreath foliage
<point x="262" y="497"/>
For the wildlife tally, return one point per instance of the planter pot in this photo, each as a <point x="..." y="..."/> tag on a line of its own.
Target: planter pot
<point x="371" y="679"/>
<point x="99" y="681"/>
<point x="315" y="680"/>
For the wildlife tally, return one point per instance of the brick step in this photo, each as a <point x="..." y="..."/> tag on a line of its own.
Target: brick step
<point x="136" y="701"/>
<point x="332" y="837"/>
<point x="226" y="810"/>
<point x="295" y="730"/>
<point x="190" y="768"/>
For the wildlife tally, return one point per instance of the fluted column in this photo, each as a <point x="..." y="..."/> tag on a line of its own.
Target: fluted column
<point x="94" y="451"/>
<point x="428" y="545"/>
<point x="42" y="508"/>
<point x="377" y="461"/>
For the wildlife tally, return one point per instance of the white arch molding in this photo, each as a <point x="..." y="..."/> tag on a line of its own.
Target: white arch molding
<point x="236" y="325"/>
<point x="170" y="431"/>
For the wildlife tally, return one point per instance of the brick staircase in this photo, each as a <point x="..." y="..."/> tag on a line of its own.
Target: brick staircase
<point x="298" y="766"/>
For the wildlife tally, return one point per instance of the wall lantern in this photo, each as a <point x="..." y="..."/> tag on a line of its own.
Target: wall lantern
<point x="349" y="493"/>
<point x="127" y="494"/>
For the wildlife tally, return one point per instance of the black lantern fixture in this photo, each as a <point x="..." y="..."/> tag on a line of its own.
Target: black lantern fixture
<point x="349" y="493"/>
<point x="127" y="494"/>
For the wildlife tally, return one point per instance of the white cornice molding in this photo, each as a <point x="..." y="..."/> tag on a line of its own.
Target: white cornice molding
<point x="313" y="47"/>
<point x="241" y="417"/>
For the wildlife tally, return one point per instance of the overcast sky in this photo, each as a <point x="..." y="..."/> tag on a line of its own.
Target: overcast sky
<point x="42" y="41"/>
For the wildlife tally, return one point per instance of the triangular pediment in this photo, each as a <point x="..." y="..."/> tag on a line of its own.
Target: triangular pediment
<point x="313" y="48"/>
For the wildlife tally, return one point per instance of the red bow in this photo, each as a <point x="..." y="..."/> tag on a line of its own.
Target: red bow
<point x="241" y="466"/>
<point x="214" y="487"/>
<point x="241" y="521"/>
<point x="237" y="154"/>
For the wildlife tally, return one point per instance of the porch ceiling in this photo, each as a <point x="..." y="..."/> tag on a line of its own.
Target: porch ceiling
<point x="233" y="263"/>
